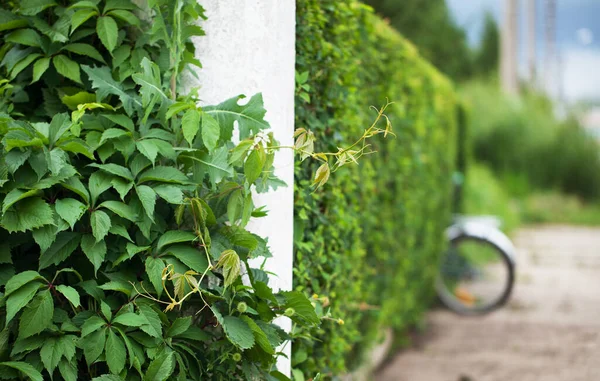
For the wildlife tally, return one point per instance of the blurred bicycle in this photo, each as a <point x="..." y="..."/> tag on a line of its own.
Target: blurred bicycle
<point x="477" y="272"/>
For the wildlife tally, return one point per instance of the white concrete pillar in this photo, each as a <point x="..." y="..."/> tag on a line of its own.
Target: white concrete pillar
<point x="249" y="47"/>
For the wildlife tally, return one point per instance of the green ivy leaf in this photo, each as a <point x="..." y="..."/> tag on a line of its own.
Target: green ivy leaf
<point x="108" y="32"/>
<point x="304" y="310"/>
<point x="169" y="193"/>
<point x="189" y="256"/>
<point x="23" y="64"/>
<point x="76" y="186"/>
<point x="81" y="97"/>
<point x="231" y="265"/>
<point x="80" y="17"/>
<point x="259" y="336"/>
<point x="235" y="205"/>
<point x="250" y="117"/>
<point x="152" y="325"/>
<point x="21" y="279"/>
<point x="27" y="215"/>
<point x="39" y="68"/>
<point x="164" y="175"/>
<point x="121" y="210"/>
<point x="126" y="16"/>
<point x="92" y="324"/>
<point x="179" y="326"/>
<point x="122" y="186"/>
<point x="64" y="245"/>
<point x="17" y="195"/>
<point x="254" y="164"/>
<point x="147" y="197"/>
<point x="100" y="223"/>
<point x="37" y="316"/>
<point x="104" y="84"/>
<point x="115" y="169"/>
<point x="33" y="7"/>
<point x="121" y="120"/>
<point x="99" y="182"/>
<point x="67" y="370"/>
<point x="84" y="50"/>
<point x="115" y="353"/>
<point x="70" y="293"/>
<point x="94" y="251"/>
<point x="210" y="132"/>
<point x="129" y="319"/>
<point x="19" y="299"/>
<point x="70" y="210"/>
<point x="93" y="345"/>
<point x="24" y="368"/>
<point x="238" y="332"/>
<point x="67" y="67"/>
<point x="51" y="353"/>
<point x="190" y="124"/>
<point x="161" y="367"/>
<point x="154" y="268"/>
<point x="174" y="236"/>
<point x="26" y="36"/>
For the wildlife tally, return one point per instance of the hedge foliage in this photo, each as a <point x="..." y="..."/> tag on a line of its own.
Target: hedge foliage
<point x="368" y="241"/>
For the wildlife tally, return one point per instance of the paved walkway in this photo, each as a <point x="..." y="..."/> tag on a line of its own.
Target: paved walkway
<point x="549" y="331"/>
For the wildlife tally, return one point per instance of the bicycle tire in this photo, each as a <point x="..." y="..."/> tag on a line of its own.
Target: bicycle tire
<point x="501" y="243"/>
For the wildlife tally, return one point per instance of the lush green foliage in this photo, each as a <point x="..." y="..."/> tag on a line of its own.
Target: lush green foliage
<point x="528" y="147"/>
<point x="367" y="242"/>
<point x="430" y="26"/>
<point x="487" y="56"/>
<point x="124" y="203"/>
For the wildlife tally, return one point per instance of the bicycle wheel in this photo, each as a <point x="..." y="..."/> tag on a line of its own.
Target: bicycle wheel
<point x="476" y="273"/>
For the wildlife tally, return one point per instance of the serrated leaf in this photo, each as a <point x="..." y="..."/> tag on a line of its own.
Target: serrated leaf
<point x="17" y="195"/>
<point x="254" y="164"/>
<point x="304" y="310"/>
<point x="120" y="231"/>
<point x="50" y="353"/>
<point x="39" y="68"/>
<point x="122" y="186"/>
<point x="210" y="132"/>
<point x="21" y="279"/>
<point x="80" y="17"/>
<point x="64" y="245"/>
<point x="230" y="262"/>
<point x="84" y="50"/>
<point x="115" y="169"/>
<point x="33" y="7"/>
<point x="115" y="352"/>
<point x="93" y="345"/>
<point x="67" y="370"/>
<point x="104" y="84"/>
<point x="45" y="236"/>
<point x="26" y="36"/>
<point x="126" y="16"/>
<point x="70" y="210"/>
<point x="67" y="67"/>
<point x="15" y="159"/>
<point x="92" y="324"/>
<point x="129" y="319"/>
<point x="108" y="32"/>
<point x="235" y="205"/>
<point x="23" y="64"/>
<point x="179" y="326"/>
<point x="238" y="332"/>
<point x="100" y="223"/>
<point x="190" y="124"/>
<point x="170" y="193"/>
<point x="189" y="256"/>
<point x="154" y="268"/>
<point x="19" y="299"/>
<point x="163" y="174"/>
<point x="147" y="197"/>
<point x="161" y="367"/>
<point x="249" y="117"/>
<point x="148" y="148"/>
<point x="172" y="237"/>
<point x="259" y="336"/>
<point x="75" y="185"/>
<point x="99" y="182"/>
<point x="27" y="214"/>
<point x="24" y="368"/>
<point x="70" y="293"/>
<point x="37" y="316"/>
<point x="152" y="326"/>
<point x="215" y="165"/>
<point x="150" y="81"/>
<point x="121" y="210"/>
<point x="120" y="286"/>
<point x="121" y="120"/>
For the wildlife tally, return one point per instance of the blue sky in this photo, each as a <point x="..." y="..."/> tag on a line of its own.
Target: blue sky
<point x="578" y="39"/>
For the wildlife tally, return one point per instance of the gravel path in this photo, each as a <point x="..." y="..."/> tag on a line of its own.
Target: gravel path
<point x="549" y="331"/>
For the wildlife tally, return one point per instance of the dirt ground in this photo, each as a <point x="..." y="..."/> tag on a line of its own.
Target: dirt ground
<point x="549" y="331"/>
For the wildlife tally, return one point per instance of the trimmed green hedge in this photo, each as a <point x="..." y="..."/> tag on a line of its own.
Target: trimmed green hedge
<point x="369" y="240"/>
